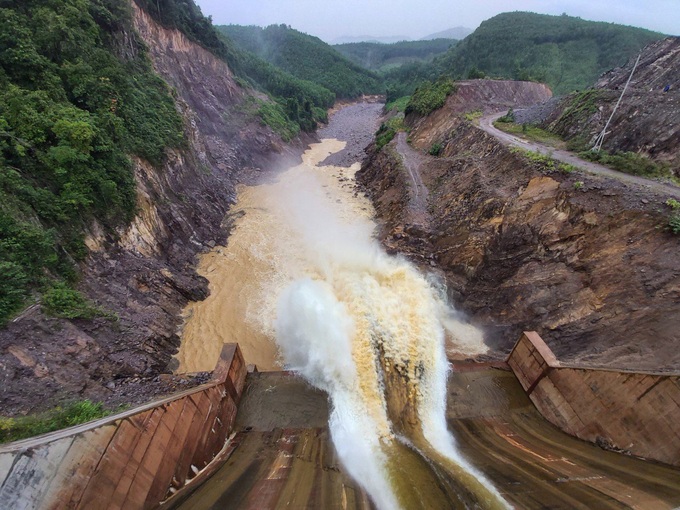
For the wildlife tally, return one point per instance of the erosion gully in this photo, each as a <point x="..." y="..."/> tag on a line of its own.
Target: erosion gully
<point x="354" y="404"/>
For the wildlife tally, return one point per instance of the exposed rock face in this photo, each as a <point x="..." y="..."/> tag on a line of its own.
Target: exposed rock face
<point x="145" y="273"/>
<point x="590" y="269"/>
<point x="647" y="120"/>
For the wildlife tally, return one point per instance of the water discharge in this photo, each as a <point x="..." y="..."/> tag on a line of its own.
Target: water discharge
<point x="366" y="327"/>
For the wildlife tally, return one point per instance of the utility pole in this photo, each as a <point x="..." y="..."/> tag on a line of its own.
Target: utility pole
<point x="600" y="138"/>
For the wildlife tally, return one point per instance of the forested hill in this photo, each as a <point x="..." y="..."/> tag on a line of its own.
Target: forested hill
<point x="380" y="57"/>
<point x="75" y="105"/>
<point x="302" y="101"/>
<point x="306" y="57"/>
<point x="71" y="112"/>
<point x="565" y="52"/>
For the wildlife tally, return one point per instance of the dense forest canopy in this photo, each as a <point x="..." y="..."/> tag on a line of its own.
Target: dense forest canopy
<point x="72" y="110"/>
<point x="305" y="57"/>
<point x="565" y="52"/>
<point x="382" y="57"/>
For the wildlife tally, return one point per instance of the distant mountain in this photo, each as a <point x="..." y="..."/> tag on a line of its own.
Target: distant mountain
<point x="457" y="33"/>
<point x="381" y="57"/>
<point x="305" y="57"/>
<point x="347" y="39"/>
<point x="566" y="52"/>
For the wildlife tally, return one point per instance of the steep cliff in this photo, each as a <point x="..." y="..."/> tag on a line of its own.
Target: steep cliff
<point x="524" y="246"/>
<point x="144" y="273"/>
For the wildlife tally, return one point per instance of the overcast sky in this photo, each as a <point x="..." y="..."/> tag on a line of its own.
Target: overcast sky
<point x="330" y="19"/>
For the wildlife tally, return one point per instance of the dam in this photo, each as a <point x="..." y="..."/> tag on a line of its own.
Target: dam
<point x="360" y="391"/>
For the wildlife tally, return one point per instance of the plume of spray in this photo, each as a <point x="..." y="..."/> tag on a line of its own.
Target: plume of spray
<point x="348" y="301"/>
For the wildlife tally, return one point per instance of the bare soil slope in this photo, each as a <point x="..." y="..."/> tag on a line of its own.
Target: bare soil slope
<point x="522" y="248"/>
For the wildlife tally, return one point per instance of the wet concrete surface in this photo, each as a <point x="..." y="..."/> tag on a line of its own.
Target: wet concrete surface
<point x="284" y="457"/>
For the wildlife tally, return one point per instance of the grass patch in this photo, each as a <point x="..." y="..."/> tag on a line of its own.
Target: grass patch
<point x="429" y="96"/>
<point x="398" y="104"/>
<point x="75" y="413"/>
<point x="531" y="132"/>
<point x="273" y="115"/>
<point x="630" y="163"/>
<point x="388" y="130"/>
<point x="545" y="161"/>
<point x="473" y="115"/>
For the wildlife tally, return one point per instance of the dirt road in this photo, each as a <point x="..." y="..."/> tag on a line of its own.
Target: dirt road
<point x="486" y="124"/>
<point x="418" y="194"/>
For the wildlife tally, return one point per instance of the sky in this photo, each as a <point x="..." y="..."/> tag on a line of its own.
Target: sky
<point x="331" y="19"/>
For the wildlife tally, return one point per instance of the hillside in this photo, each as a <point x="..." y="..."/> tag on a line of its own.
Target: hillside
<point x="380" y="57"/>
<point x="299" y="103"/>
<point x="524" y="245"/>
<point x="565" y="52"/>
<point x="646" y="125"/>
<point x="451" y="33"/>
<point x="71" y="115"/>
<point x="117" y="166"/>
<point x="306" y="57"/>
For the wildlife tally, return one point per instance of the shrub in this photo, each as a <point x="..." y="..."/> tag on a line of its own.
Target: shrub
<point x="436" y="149"/>
<point x="430" y="96"/>
<point x="384" y="136"/>
<point x="628" y="162"/>
<point x="674" y="223"/>
<point x="508" y="117"/>
<point x="13" y="429"/>
<point x="67" y="303"/>
<point x="673" y="204"/>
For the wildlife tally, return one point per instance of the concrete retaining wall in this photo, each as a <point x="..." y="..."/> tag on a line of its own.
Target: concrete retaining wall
<point x="631" y="411"/>
<point x="133" y="460"/>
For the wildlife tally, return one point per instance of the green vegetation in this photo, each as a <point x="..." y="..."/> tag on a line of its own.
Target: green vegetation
<point x="565" y="52"/>
<point x="531" y="132"/>
<point x="383" y="57"/>
<point x="473" y="115"/>
<point x="248" y="67"/>
<point x="580" y="106"/>
<point x="62" y="301"/>
<point x="429" y="97"/>
<point x="545" y="162"/>
<point x="674" y="217"/>
<point x="507" y="118"/>
<point x="578" y="185"/>
<point x="71" y="111"/>
<point x="388" y="130"/>
<point x="435" y="149"/>
<point x="398" y="104"/>
<point x="305" y="57"/>
<point x="673" y="204"/>
<point x="76" y="413"/>
<point x="629" y="162"/>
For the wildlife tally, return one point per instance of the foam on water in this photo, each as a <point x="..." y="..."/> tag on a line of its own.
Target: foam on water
<point x="357" y="317"/>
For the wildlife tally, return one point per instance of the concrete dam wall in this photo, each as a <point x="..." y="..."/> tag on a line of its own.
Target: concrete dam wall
<point x="632" y="412"/>
<point x="133" y="460"/>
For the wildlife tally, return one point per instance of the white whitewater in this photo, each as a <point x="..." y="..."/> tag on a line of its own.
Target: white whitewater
<point x="354" y="317"/>
<point x="302" y="272"/>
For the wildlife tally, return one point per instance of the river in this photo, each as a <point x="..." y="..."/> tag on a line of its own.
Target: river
<point x="303" y="285"/>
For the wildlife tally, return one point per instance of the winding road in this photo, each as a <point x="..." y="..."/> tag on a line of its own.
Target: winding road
<point x="486" y="124"/>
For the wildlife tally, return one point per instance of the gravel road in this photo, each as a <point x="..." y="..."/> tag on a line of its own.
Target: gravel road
<point x="486" y="124"/>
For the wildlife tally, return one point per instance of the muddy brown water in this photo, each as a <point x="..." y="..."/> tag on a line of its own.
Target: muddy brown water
<point x="247" y="275"/>
<point x="283" y="455"/>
